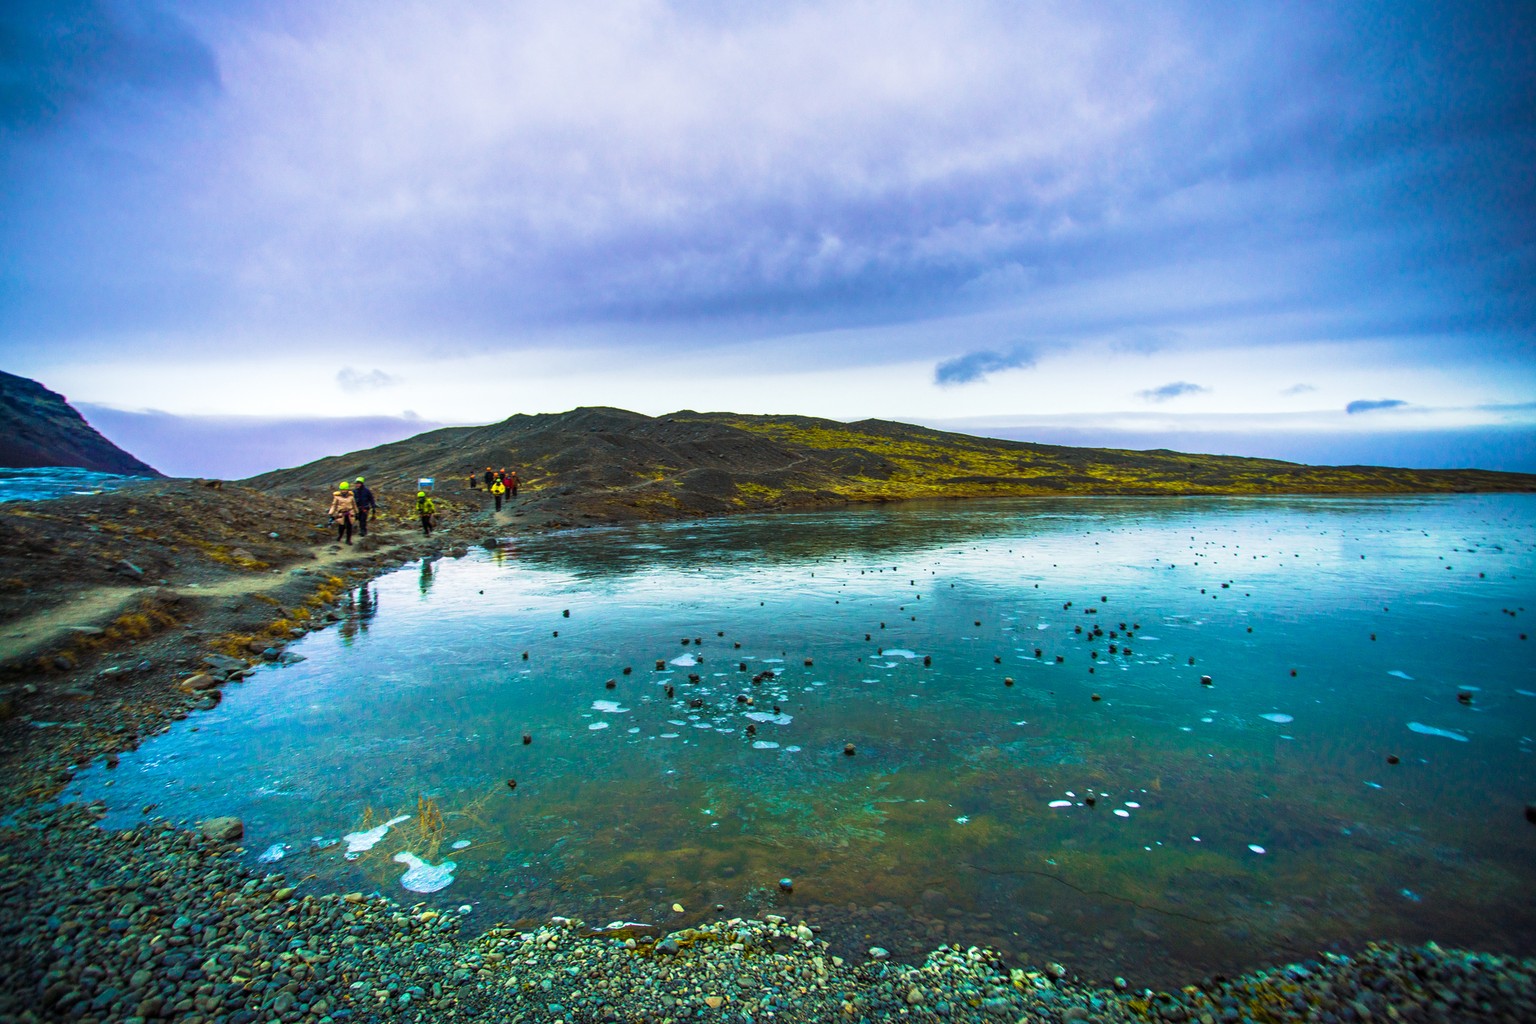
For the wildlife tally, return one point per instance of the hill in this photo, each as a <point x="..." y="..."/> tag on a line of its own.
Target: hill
<point x="39" y="428"/>
<point x="610" y="465"/>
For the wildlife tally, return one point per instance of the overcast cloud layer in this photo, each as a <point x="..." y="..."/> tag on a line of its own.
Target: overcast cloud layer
<point x="914" y="210"/>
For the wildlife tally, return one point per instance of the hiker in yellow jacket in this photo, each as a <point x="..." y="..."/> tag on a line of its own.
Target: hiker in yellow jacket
<point x="497" y="490"/>
<point x="427" y="511"/>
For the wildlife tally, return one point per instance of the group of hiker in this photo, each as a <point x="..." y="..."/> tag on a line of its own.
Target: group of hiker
<point x="354" y="503"/>
<point x="500" y="483"/>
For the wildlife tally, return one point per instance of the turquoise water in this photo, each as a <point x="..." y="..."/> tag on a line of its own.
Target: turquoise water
<point x="57" y="481"/>
<point x="1246" y="821"/>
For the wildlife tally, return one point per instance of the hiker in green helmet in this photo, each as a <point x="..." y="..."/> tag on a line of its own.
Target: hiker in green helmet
<point x="427" y="511"/>
<point x="343" y="510"/>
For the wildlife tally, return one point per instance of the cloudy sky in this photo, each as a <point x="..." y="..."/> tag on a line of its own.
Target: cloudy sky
<point x="244" y="234"/>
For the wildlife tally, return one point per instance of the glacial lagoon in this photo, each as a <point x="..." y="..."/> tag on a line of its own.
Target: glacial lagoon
<point x="1152" y="738"/>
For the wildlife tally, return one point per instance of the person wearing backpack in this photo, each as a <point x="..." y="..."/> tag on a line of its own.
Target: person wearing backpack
<point x="427" y="511"/>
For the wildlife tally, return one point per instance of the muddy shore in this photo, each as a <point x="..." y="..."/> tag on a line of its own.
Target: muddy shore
<point x="123" y="613"/>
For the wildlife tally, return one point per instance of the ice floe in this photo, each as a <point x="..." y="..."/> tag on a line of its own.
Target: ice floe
<point x="769" y="716"/>
<point x="361" y="842"/>
<point x="1400" y="674"/>
<point x="275" y="852"/>
<point x="1060" y="803"/>
<point x="609" y="707"/>
<point x="423" y="877"/>
<point x="1276" y="716"/>
<point x="765" y="745"/>
<point x="1256" y="848"/>
<point x="1429" y="730"/>
<point x="598" y="725"/>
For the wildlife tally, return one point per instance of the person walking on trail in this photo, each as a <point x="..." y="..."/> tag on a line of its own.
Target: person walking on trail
<point x="512" y="484"/>
<point x="343" y="510"/>
<point x="474" y="483"/>
<point x="427" y="511"/>
<point x="490" y="477"/>
<point x="366" y="505"/>
<point x="497" y="490"/>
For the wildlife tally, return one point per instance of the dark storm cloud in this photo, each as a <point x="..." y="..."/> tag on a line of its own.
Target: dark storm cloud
<point x="1177" y="389"/>
<point x="58" y="55"/>
<point x="976" y="366"/>
<point x="1369" y="405"/>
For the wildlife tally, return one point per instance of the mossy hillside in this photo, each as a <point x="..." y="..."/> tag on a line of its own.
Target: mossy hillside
<point x="610" y="465"/>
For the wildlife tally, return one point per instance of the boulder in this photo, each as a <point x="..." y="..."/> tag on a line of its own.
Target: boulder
<point x="223" y="829"/>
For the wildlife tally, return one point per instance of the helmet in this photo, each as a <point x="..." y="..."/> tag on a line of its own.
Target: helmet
<point x="359" y="479"/>
<point x="344" y="485"/>
<point x="421" y="494"/>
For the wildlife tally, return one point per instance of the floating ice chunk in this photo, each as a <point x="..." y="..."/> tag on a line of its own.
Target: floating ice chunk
<point x="632" y="729"/>
<point x="1207" y="720"/>
<point x="609" y="707"/>
<point x="702" y="725"/>
<point x="461" y="844"/>
<point x="765" y="745"/>
<point x="900" y="653"/>
<point x="668" y="736"/>
<point x="1256" y="848"/>
<point x="423" y="877"/>
<point x="1060" y="803"/>
<point x="360" y="842"/>
<point x="1409" y="894"/>
<point x="769" y="716"/>
<point x="1122" y="813"/>
<point x="791" y="750"/>
<point x="684" y="661"/>
<point x="1278" y="717"/>
<point x="598" y="725"/>
<point x="1133" y="804"/>
<point x="1042" y="625"/>
<point x="773" y="661"/>
<point x="1399" y="673"/>
<point x="1526" y="693"/>
<point x="964" y="819"/>
<point x="322" y="843"/>
<point x="1429" y="730"/>
<point x="273" y="853"/>
<point x="1374" y="785"/>
<point x="676" y="721"/>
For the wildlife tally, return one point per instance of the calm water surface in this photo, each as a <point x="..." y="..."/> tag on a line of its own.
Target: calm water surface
<point x="1251" y="820"/>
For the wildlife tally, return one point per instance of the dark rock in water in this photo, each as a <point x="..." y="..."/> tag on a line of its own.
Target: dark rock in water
<point x="39" y="428"/>
<point x="787" y="884"/>
<point x="1007" y="680"/>
<point x="848" y="749"/>
<point x="661" y="666"/>
<point x="527" y="738"/>
<point x="627" y="670"/>
<point x="1393" y="759"/>
<point x="1205" y="680"/>
<point x="223" y="829"/>
<point x="525" y="655"/>
<point x="927" y="660"/>
<point x="565" y="614"/>
<point x="610" y="684"/>
<point x="1530" y="813"/>
<point x="1097" y="697"/>
<point x="511" y="783"/>
<point x="1464" y="696"/>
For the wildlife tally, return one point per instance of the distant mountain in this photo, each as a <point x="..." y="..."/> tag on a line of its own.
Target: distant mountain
<point x="39" y="428"/>
<point x="609" y="465"/>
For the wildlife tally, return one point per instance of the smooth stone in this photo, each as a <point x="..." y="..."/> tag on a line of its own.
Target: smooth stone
<point x="223" y="829"/>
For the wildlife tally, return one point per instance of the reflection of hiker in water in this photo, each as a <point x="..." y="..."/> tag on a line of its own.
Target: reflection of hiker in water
<point x="343" y="508"/>
<point x="367" y="607"/>
<point x="365" y="505"/>
<point x="427" y="511"/>
<point x="426" y="576"/>
<point x="497" y="490"/>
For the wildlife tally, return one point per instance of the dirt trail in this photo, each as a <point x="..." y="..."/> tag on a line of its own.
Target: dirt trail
<point x="95" y="608"/>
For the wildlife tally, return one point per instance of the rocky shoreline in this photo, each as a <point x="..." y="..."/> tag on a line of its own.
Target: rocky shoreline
<point x="159" y="922"/>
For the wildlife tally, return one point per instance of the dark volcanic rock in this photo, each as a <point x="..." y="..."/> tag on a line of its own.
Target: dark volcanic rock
<point x="39" y="428"/>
